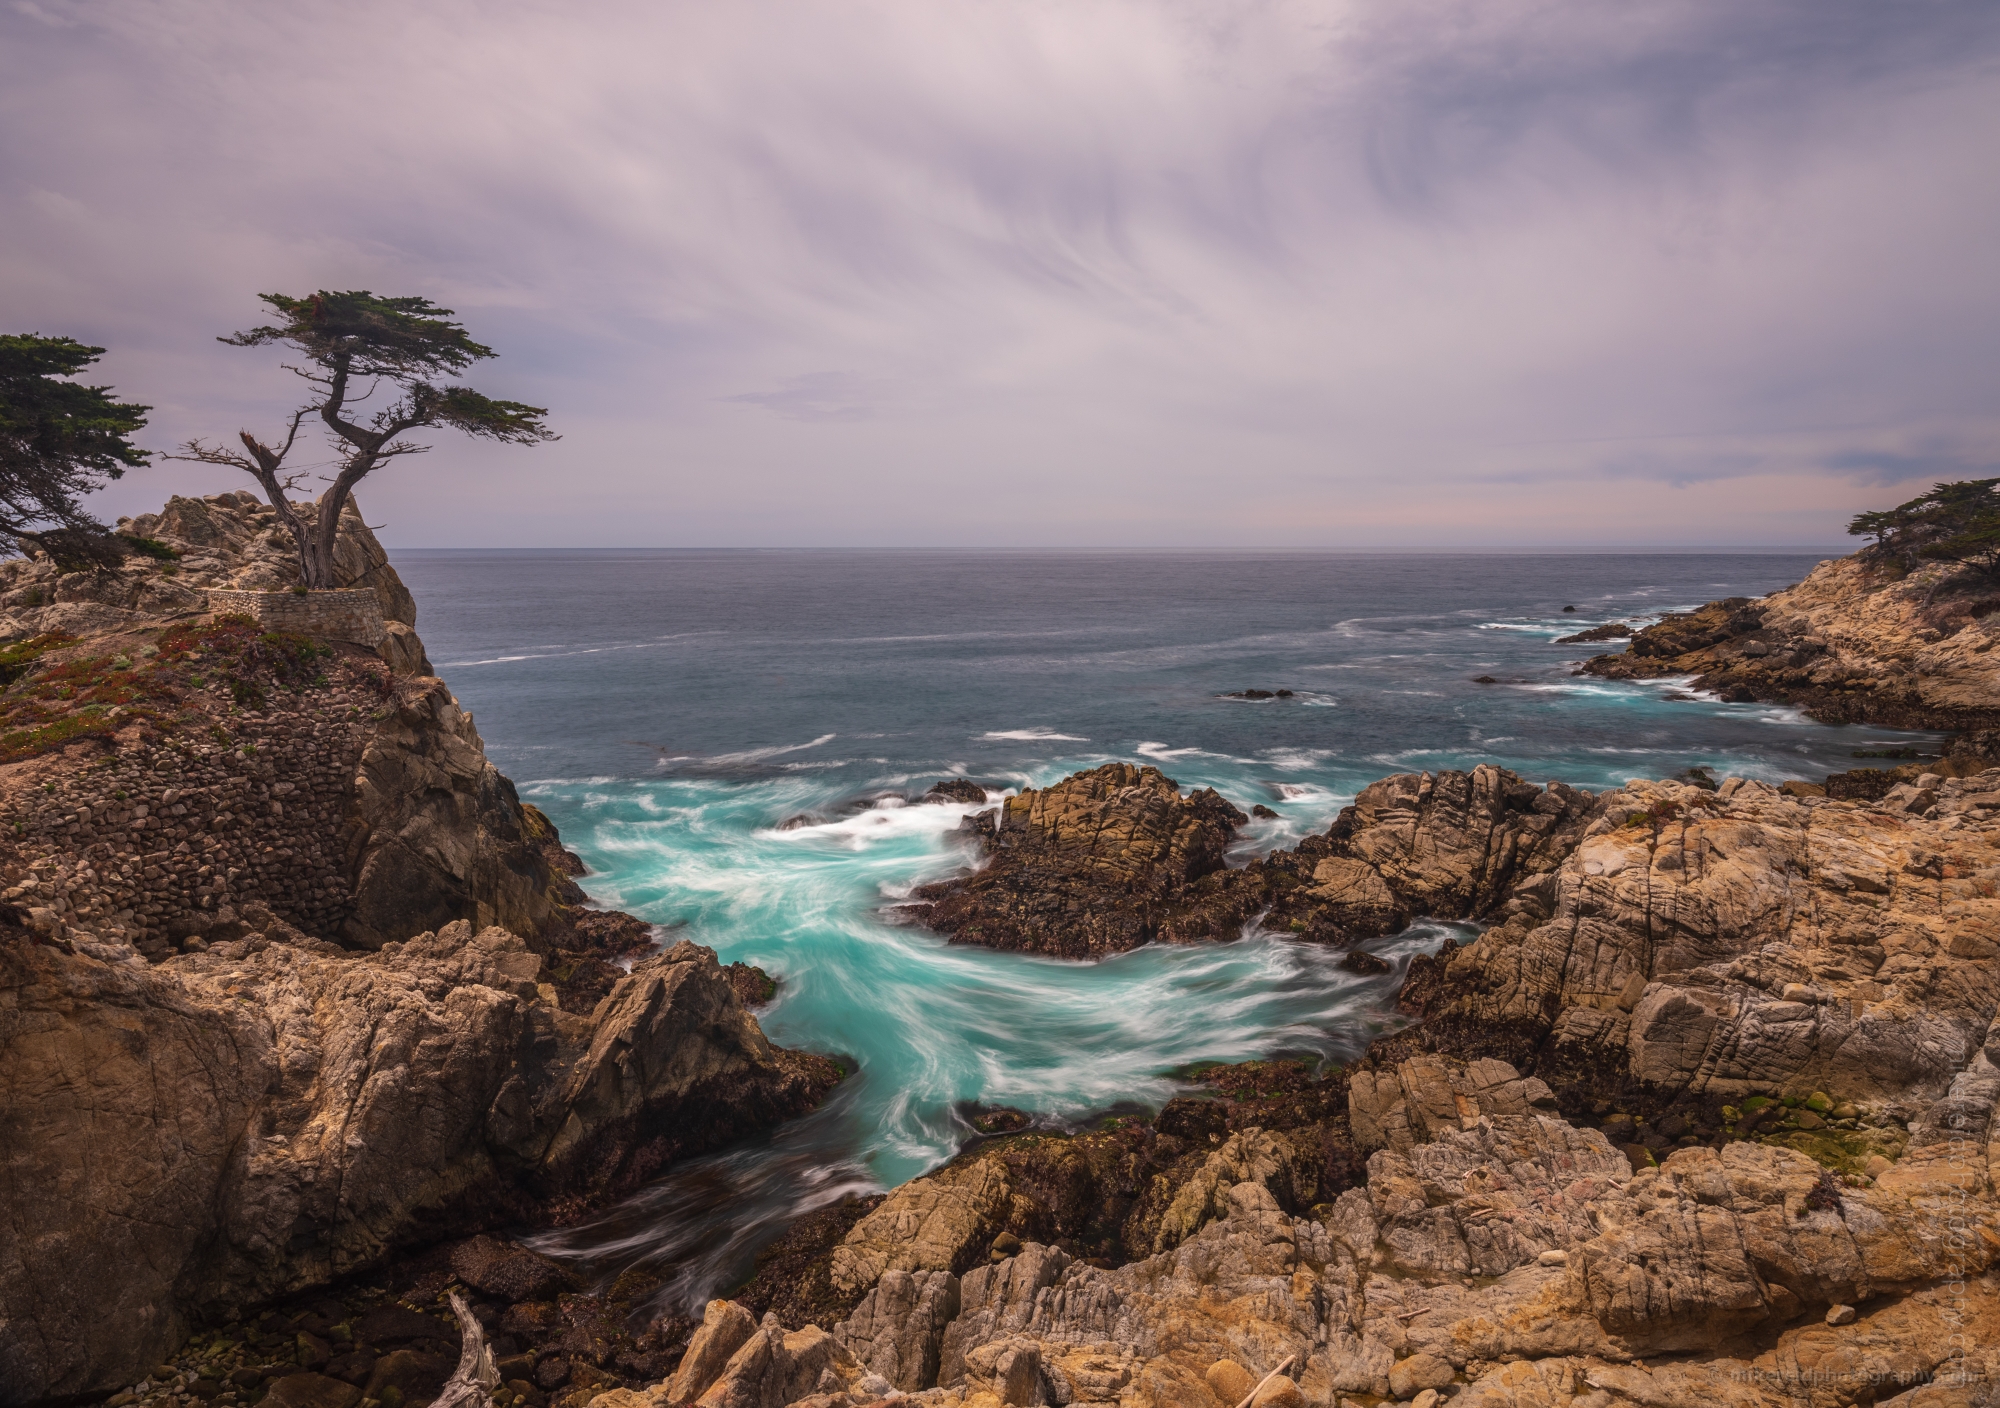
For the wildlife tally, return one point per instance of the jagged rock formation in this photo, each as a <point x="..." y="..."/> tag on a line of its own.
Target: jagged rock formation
<point x="1856" y="642"/>
<point x="1744" y="941"/>
<point x="1496" y="1252"/>
<point x="1115" y="857"/>
<point x="1115" y="830"/>
<point x="228" y="1126"/>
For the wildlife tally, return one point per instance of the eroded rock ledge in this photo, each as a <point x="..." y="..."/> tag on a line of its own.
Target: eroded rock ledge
<point x="1857" y="641"/>
<point x="1115" y="857"/>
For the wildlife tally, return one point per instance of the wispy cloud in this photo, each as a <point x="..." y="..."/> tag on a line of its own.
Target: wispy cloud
<point x="1090" y="271"/>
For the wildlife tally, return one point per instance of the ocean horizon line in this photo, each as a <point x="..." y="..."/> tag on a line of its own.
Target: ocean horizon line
<point x="1437" y="550"/>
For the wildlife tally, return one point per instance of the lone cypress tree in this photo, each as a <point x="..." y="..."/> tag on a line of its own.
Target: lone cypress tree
<point x="59" y="440"/>
<point x="352" y="344"/>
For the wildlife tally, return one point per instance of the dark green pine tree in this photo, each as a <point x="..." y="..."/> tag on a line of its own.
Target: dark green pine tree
<point x="59" y="440"/>
<point x="1957" y="522"/>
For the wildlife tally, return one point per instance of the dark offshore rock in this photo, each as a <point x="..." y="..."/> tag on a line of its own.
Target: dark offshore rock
<point x="226" y="1127"/>
<point x="1615" y="630"/>
<point x="956" y="789"/>
<point x="752" y="985"/>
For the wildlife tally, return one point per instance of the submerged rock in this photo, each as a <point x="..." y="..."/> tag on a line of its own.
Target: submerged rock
<point x="956" y="789"/>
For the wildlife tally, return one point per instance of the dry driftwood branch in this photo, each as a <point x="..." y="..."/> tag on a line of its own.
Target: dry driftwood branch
<point x="1290" y="1359"/>
<point x="471" y="1385"/>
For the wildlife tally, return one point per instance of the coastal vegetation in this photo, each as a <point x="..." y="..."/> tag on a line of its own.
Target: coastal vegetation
<point x="353" y="344"/>
<point x="59" y="440"/>
<point x="1957" y="522"/>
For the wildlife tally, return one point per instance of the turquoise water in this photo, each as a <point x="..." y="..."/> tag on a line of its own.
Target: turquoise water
<point x="731" y="741"/>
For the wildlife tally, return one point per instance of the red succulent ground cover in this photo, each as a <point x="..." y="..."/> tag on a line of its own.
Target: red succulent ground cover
<point x="186" y="677"/>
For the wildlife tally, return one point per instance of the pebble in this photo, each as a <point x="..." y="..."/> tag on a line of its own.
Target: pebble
<point x="1841" y="1315"/>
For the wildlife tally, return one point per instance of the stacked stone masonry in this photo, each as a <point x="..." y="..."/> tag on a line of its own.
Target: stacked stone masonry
<point x="351" y="615"/>
<point x="158" y="844"/>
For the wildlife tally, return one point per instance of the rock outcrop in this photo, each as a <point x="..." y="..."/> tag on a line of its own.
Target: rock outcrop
<point x="1743" y="941"/>
<point x="1115" y="830"/>
<point x="210" y="1132"/>
<point x="1858" y="641"/>
<point x="1116" y="857"/>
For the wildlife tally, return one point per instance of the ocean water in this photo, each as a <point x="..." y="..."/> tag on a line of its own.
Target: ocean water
<point x="733" y="742"/>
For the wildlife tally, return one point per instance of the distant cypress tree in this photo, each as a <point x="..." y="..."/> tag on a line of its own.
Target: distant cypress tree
<point x="1957" y="522"/>
<point x="352" y="343"/>
<point x="59" y="440"/>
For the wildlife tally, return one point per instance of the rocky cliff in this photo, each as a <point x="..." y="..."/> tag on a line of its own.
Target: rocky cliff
<point x="160" y="767"/>
<point x="1858" y="641"/>
<point x="273" y="995"/>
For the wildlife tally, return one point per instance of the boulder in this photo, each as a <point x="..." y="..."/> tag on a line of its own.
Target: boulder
<point x="776" y="1367"/>
<point x="725" y="1328"/>
<point x="940" y="1223"/>
<point x="508" y="1271"/>
<point x="1418" y="1372"/>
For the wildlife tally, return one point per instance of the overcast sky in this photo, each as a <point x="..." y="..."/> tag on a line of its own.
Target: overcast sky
<point x="1001" y="272"/>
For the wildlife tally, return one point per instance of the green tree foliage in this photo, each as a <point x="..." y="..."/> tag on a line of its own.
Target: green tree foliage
<point x="59" y="440"/>
<point x="1957" y="522"/>
<point x="354" y="344"/>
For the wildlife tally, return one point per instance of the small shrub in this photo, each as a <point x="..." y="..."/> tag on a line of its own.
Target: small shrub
<point x="149" y="547"/>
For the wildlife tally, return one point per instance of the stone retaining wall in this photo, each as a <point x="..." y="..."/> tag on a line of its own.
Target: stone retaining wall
<point x="350" y="615"/>
<point x="164" y="841"/>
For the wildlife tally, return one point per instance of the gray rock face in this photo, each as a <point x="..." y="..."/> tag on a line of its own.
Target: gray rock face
<point x="437" y="832"/>
<point x="897" y="1331"/>
<point x="234" y="1125"/>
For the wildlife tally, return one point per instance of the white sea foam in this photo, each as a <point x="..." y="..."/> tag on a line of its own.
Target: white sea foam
<point x="757" y="755"/>
<point x="1034" y="735"/>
